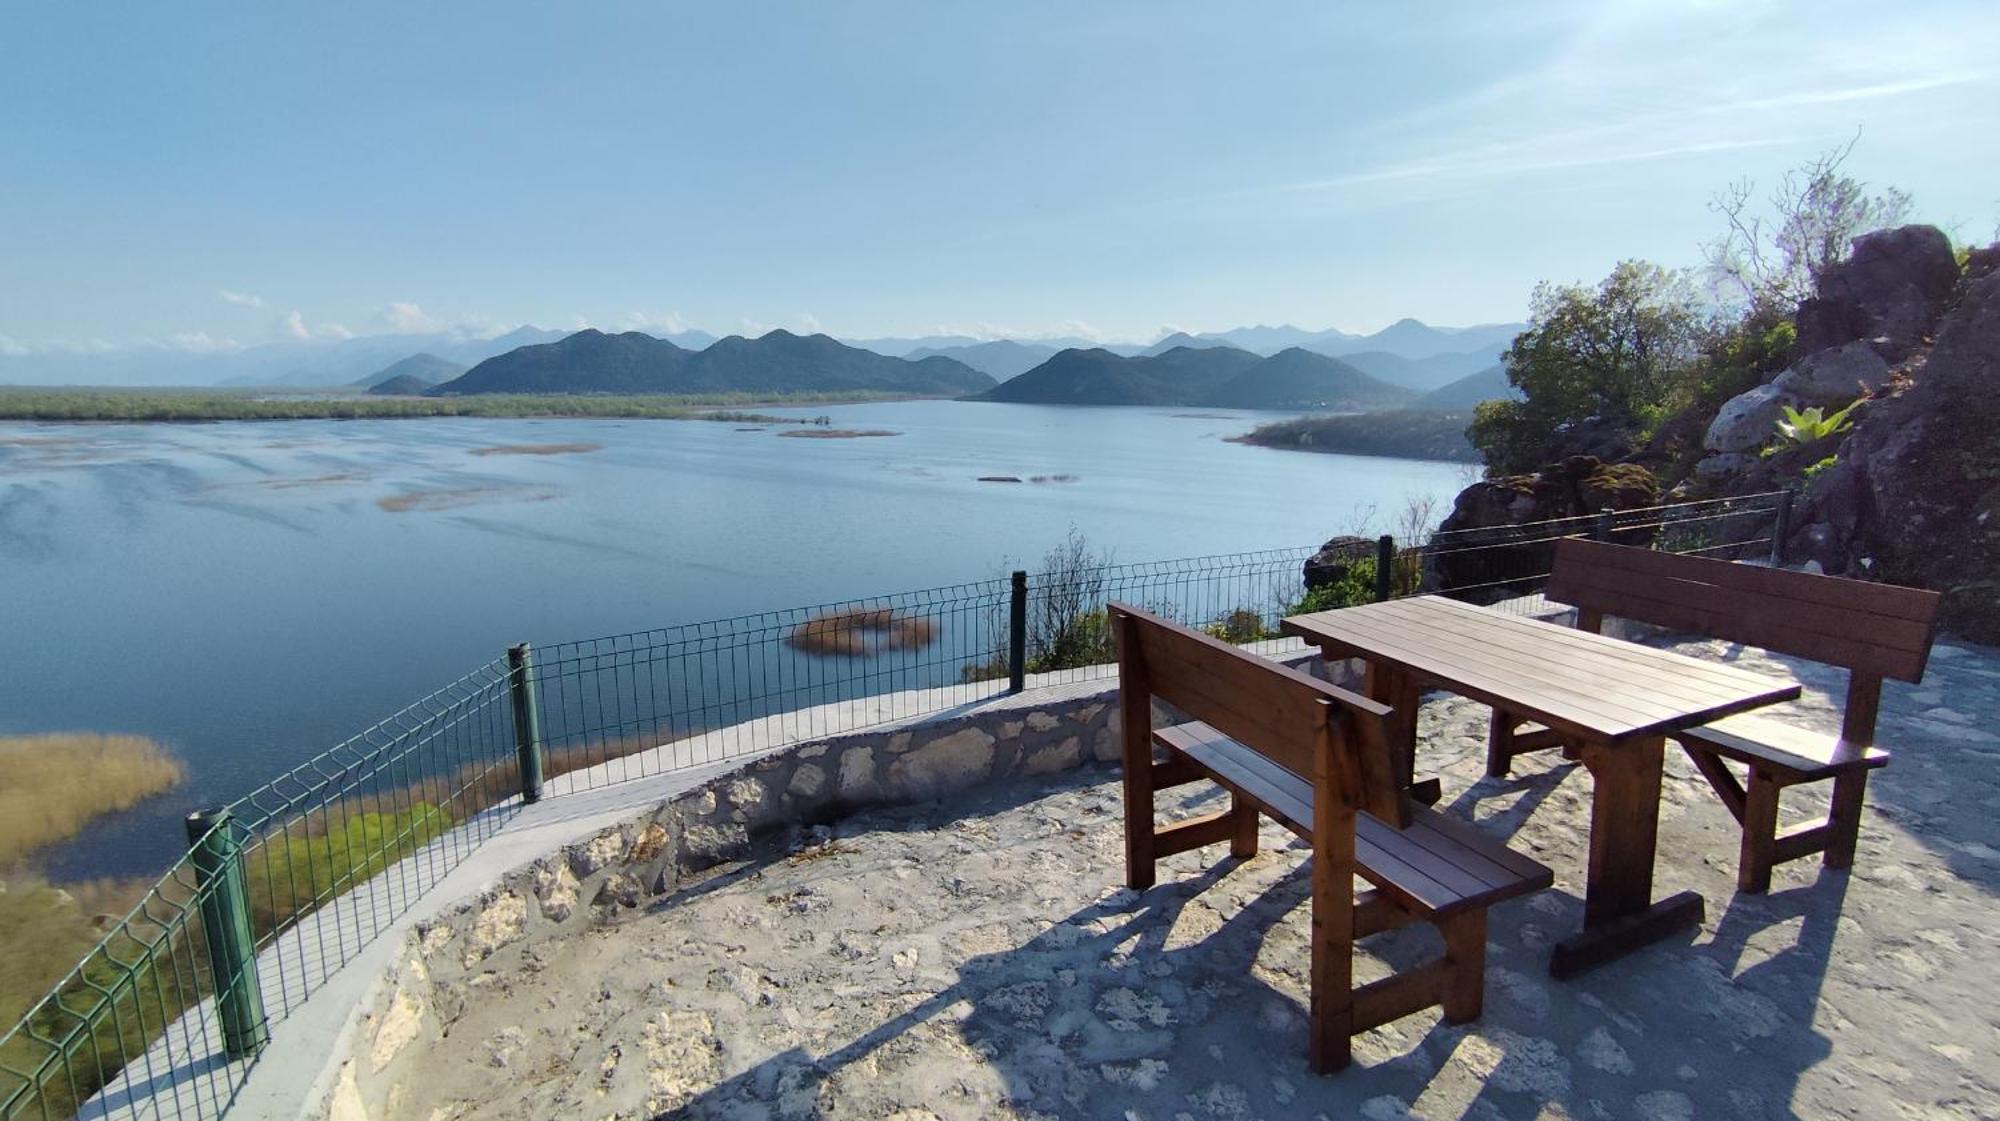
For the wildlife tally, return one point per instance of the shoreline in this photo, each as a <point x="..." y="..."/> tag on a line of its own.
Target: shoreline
<point x="118" y="405"/>
<point x="1433" y="436"/>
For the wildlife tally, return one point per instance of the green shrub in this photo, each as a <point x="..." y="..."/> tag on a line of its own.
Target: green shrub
<point x="1240" y="626"/>
<point x="1358" y="585"/>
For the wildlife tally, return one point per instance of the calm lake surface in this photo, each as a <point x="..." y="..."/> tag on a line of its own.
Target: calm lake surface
<point x="243" y="592"/>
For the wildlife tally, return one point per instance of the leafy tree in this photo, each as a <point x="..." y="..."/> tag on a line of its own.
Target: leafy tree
<point x="1742" y="355"/>
<point x="1771" y="261"/>
<point x="1619" y="351"/>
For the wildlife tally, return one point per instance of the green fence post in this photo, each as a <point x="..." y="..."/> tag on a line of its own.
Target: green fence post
<point x="1017" y="634"/>
<point x="527" y="722"/>
<point x="1781" y="528"/>
<point x="225" y="917"/>
<point x="1385" y="565"/>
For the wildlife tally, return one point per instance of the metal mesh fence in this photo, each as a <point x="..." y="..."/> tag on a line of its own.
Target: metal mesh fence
<point x="1507" y="565"/>
<point x="624" y="707"/>
<point x="310" y="868"/>
<point x="279" y="890"/>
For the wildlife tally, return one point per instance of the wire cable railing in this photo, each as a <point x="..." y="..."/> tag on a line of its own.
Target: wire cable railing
<point x="281" y="888"/>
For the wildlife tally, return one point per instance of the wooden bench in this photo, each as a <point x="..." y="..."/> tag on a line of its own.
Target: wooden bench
<point x="1874" y="631"/>
<point x="1313" y="758"/>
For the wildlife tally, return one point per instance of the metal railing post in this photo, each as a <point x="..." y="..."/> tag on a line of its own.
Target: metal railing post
<point x="1017" y="634"/>
<point x="1782" y="528"/>
<point x="1601" y="529"/>
<point x="527" y="722"/>
<point x="225" y="918"/>
<point x="1385" y="564"/>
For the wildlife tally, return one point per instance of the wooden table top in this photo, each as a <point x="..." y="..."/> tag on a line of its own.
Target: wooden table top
<point x="1603" y="688"/>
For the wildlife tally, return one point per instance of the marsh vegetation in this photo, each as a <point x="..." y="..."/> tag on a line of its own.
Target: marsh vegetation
<point x="113" y="404"/>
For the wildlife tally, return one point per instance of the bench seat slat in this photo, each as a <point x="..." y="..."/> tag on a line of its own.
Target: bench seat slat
<point x="1436" y="865"/>
<point x="1756" y="739"/>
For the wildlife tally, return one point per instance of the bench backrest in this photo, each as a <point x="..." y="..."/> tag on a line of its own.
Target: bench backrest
<point x="1875" y="630"/>
<point x="1313" y="729"/>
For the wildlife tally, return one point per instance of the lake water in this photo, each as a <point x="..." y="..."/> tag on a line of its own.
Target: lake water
<point x="251" y="593"/>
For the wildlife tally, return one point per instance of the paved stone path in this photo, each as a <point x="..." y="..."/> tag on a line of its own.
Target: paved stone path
<point x="977" y="958"/>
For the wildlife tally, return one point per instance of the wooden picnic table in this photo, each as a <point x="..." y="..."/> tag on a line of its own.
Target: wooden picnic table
<point x="1614" y="701"/>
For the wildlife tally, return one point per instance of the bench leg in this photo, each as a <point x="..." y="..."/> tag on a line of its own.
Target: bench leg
<point x="1465" y="950"/>
<point x="1140" y="832"/>
<point x="1330" y="1047"/>
<point x="1760" y="832"/>
<point x="1844" y="820"/>
<point x="1500" y="744"/>
<point x="1505" y="740"/>
<point x="1243" y="821"/>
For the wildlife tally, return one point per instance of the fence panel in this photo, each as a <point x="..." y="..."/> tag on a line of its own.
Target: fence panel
<point x="628" y="706"/>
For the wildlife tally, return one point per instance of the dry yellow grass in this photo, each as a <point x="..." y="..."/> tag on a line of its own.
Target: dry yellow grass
<point x="861" y="632"/>
<point x="52" y="785"/>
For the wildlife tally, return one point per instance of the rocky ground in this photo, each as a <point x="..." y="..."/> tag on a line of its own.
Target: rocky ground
<point x="977" y="958"/>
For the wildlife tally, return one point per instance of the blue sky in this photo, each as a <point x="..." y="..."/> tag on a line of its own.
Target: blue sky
<point x="204" y="176"/>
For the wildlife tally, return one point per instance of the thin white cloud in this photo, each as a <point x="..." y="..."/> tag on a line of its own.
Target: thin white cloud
<point x="294" y="326"/>
<point x="1840" y="95"/>
<point x="200" y="342"/>
<point x="405" y="318"/>
<point x="1638" y="83"/>
<point x="241" y="299"/>
<point x="1501" y="160"/>
<point x="987" y="332"/>
<point x="1079" y="329"/>
<point x="664" y="323"/>
<point x="809" y="323"/>
<point x="11" y="348"/>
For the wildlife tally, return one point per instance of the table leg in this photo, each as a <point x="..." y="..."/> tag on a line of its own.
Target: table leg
<point x="1619" y="914"/>
<point x="1400" y="690"/>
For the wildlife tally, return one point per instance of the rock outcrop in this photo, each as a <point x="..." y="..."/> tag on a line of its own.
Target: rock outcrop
<point x="1828" y="379"/>
<point x="1501" y="511"/>
<point x="1908" y="494"/>
<point x="1889" y="291"/>
<point x="1335" y="560"/>
<point x="1914" y="495"/>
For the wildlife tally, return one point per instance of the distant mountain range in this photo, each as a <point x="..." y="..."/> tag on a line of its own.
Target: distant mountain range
<point x="1408" y="353"/>
<point x="591" y="361"/>
<point x="412" y="375"/>
<point x="1406" y="338"/>
<point x="1490" y="384"/>
<point x="1001" y="358"/>
<point x="1217" y="376"/>
<point x="1423" y="374"/>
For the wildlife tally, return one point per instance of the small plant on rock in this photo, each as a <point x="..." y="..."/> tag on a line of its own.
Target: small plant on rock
<point x="1799" y="427"/>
